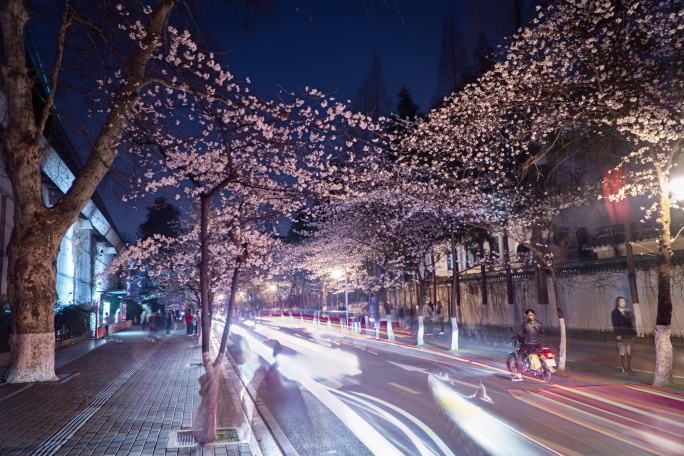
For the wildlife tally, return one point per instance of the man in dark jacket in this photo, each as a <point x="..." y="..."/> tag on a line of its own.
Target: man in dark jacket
<point x="531" y="337"/>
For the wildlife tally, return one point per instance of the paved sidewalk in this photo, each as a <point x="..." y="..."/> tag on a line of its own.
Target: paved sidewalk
<point x="122" y="397"/>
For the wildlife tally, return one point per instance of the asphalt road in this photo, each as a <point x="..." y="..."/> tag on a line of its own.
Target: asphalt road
<point x="334" y="394"/>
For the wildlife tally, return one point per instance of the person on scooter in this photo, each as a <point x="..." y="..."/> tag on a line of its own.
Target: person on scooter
<point x="530" y="336"/>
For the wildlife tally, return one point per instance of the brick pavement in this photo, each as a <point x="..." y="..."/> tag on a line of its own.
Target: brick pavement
<point x="119" y="399"/>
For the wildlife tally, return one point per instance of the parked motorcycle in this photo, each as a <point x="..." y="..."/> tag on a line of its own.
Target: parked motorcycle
<point x="539" y="362"/>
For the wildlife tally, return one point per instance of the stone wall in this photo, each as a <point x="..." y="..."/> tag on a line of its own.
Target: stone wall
<point x="587" y="300"/>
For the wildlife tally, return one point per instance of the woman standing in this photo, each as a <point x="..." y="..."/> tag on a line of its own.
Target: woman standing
<point x="623" y="326"/>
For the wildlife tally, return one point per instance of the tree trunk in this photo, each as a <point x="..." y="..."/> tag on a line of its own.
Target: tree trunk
<point x="421" y="303"/>
<point x="509" y="281"/>
<point x="229" y="313"/>
<point x="455" y="294"/>
<point x="562" y="350"/>
<point x="206" y="416"/>
<point x="631" y="277"/>
<point x="663" y="345"/>
<point x="434" y="279"/>
<point x="483" y="271"/>
<point x="38" y="230"/>
<point x="32" y="291"/>
<point x="540" y="273"/>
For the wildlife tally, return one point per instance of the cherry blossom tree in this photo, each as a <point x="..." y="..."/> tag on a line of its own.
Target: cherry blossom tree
<point x="616" y="67"/>
<point x="39" y="229"/>
<point x="239" y="161"/>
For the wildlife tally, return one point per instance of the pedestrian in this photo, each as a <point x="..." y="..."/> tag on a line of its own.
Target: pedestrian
<point x="143" y="319"/>
<point x="439" y="313"/>
<point x="623" y="326"/>
<point x="428" y="316"/>
<point x="150" y="325"/>
<point x="106" y="322"/>
<point x="158" y="324"/>
<point x="188" y="323"/>
<point x="195" y="321"/>
<point x="169" y="322"/>
<point x="411" y="317"/>
<point x="530" y="336"/>
<point x="402" y="317"/>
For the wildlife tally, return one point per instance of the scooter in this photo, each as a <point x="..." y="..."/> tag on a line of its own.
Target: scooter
<point x="539" y="362"/>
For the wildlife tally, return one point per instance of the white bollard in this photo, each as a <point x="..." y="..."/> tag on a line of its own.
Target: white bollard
<point x="454" y="334"/>
<point x="421" y="331"/>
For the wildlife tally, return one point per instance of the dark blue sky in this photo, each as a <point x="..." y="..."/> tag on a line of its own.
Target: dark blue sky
<point x="329" y="47"/>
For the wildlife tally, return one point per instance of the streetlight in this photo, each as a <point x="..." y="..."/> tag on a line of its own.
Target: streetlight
<point x="677" y="188"/>
<point x="273" y="293"/>
<point x="336" y="274"/>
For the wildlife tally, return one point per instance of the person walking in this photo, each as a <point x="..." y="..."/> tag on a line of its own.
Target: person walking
<point x="169" y="322"/>
<point x="143" y="319"/>
<point x="195" y="321"/>
<point x="158" y="324"/>
<point x="439" y="313"/>
<point x="402" y="317"/>
<point x="428" y="316"/>
<point x="531" y="337"/>
<point x="106" y="321"/>
<point x="411" y="317"/>
<point x="188" y="323"/>
<point x="623" y="327"/>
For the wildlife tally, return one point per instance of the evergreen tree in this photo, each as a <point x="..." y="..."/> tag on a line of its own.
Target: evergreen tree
<point x="406" y="108"/>
<point x="372" y="98"/>
<point x="162" y="218"/>
<point x="483" y="55"/>
<point x="454" y="69"/>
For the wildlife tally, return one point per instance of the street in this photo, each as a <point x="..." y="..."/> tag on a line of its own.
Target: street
<point x="334" y="393"/>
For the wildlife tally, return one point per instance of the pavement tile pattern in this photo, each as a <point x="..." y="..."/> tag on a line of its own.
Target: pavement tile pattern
<point x="121" y="398"/>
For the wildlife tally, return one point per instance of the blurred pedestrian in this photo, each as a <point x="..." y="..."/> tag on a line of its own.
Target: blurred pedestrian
<point x="169" y="322"/>
<point x="411" y="317"/>
<point x="428" y="316"/>
<point x="195" y="321"/>
<point x="439" y="313"/>
<point x="158" y="324"/>
<point x="106" y="321"/>
<point x="143" y="319"/>
<point x="151" y="325"/>
<point x="188" y="323"/>
<point x="402" y="317"/>
<point x="623" y="326"/>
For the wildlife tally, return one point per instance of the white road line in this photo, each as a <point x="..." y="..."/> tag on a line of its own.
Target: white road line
<point x="404" y="388"/>
<point x="424" y="427"/>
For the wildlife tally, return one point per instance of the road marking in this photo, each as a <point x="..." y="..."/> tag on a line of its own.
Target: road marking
<point x="410" y="368"/>
<point x="405" y="388"/>
<point x="435" y="438"/>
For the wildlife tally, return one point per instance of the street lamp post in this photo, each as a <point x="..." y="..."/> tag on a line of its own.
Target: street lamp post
<point x="337" y="274"/>
<point x="273" y="293"/>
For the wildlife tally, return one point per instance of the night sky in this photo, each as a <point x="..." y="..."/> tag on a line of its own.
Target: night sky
<point x="329" y="46"/>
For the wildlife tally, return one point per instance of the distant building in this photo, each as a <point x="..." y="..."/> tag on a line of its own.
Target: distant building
<point x="89" y="246"/>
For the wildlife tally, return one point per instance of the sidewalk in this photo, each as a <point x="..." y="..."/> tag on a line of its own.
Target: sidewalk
<point x="125" y="396"/>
